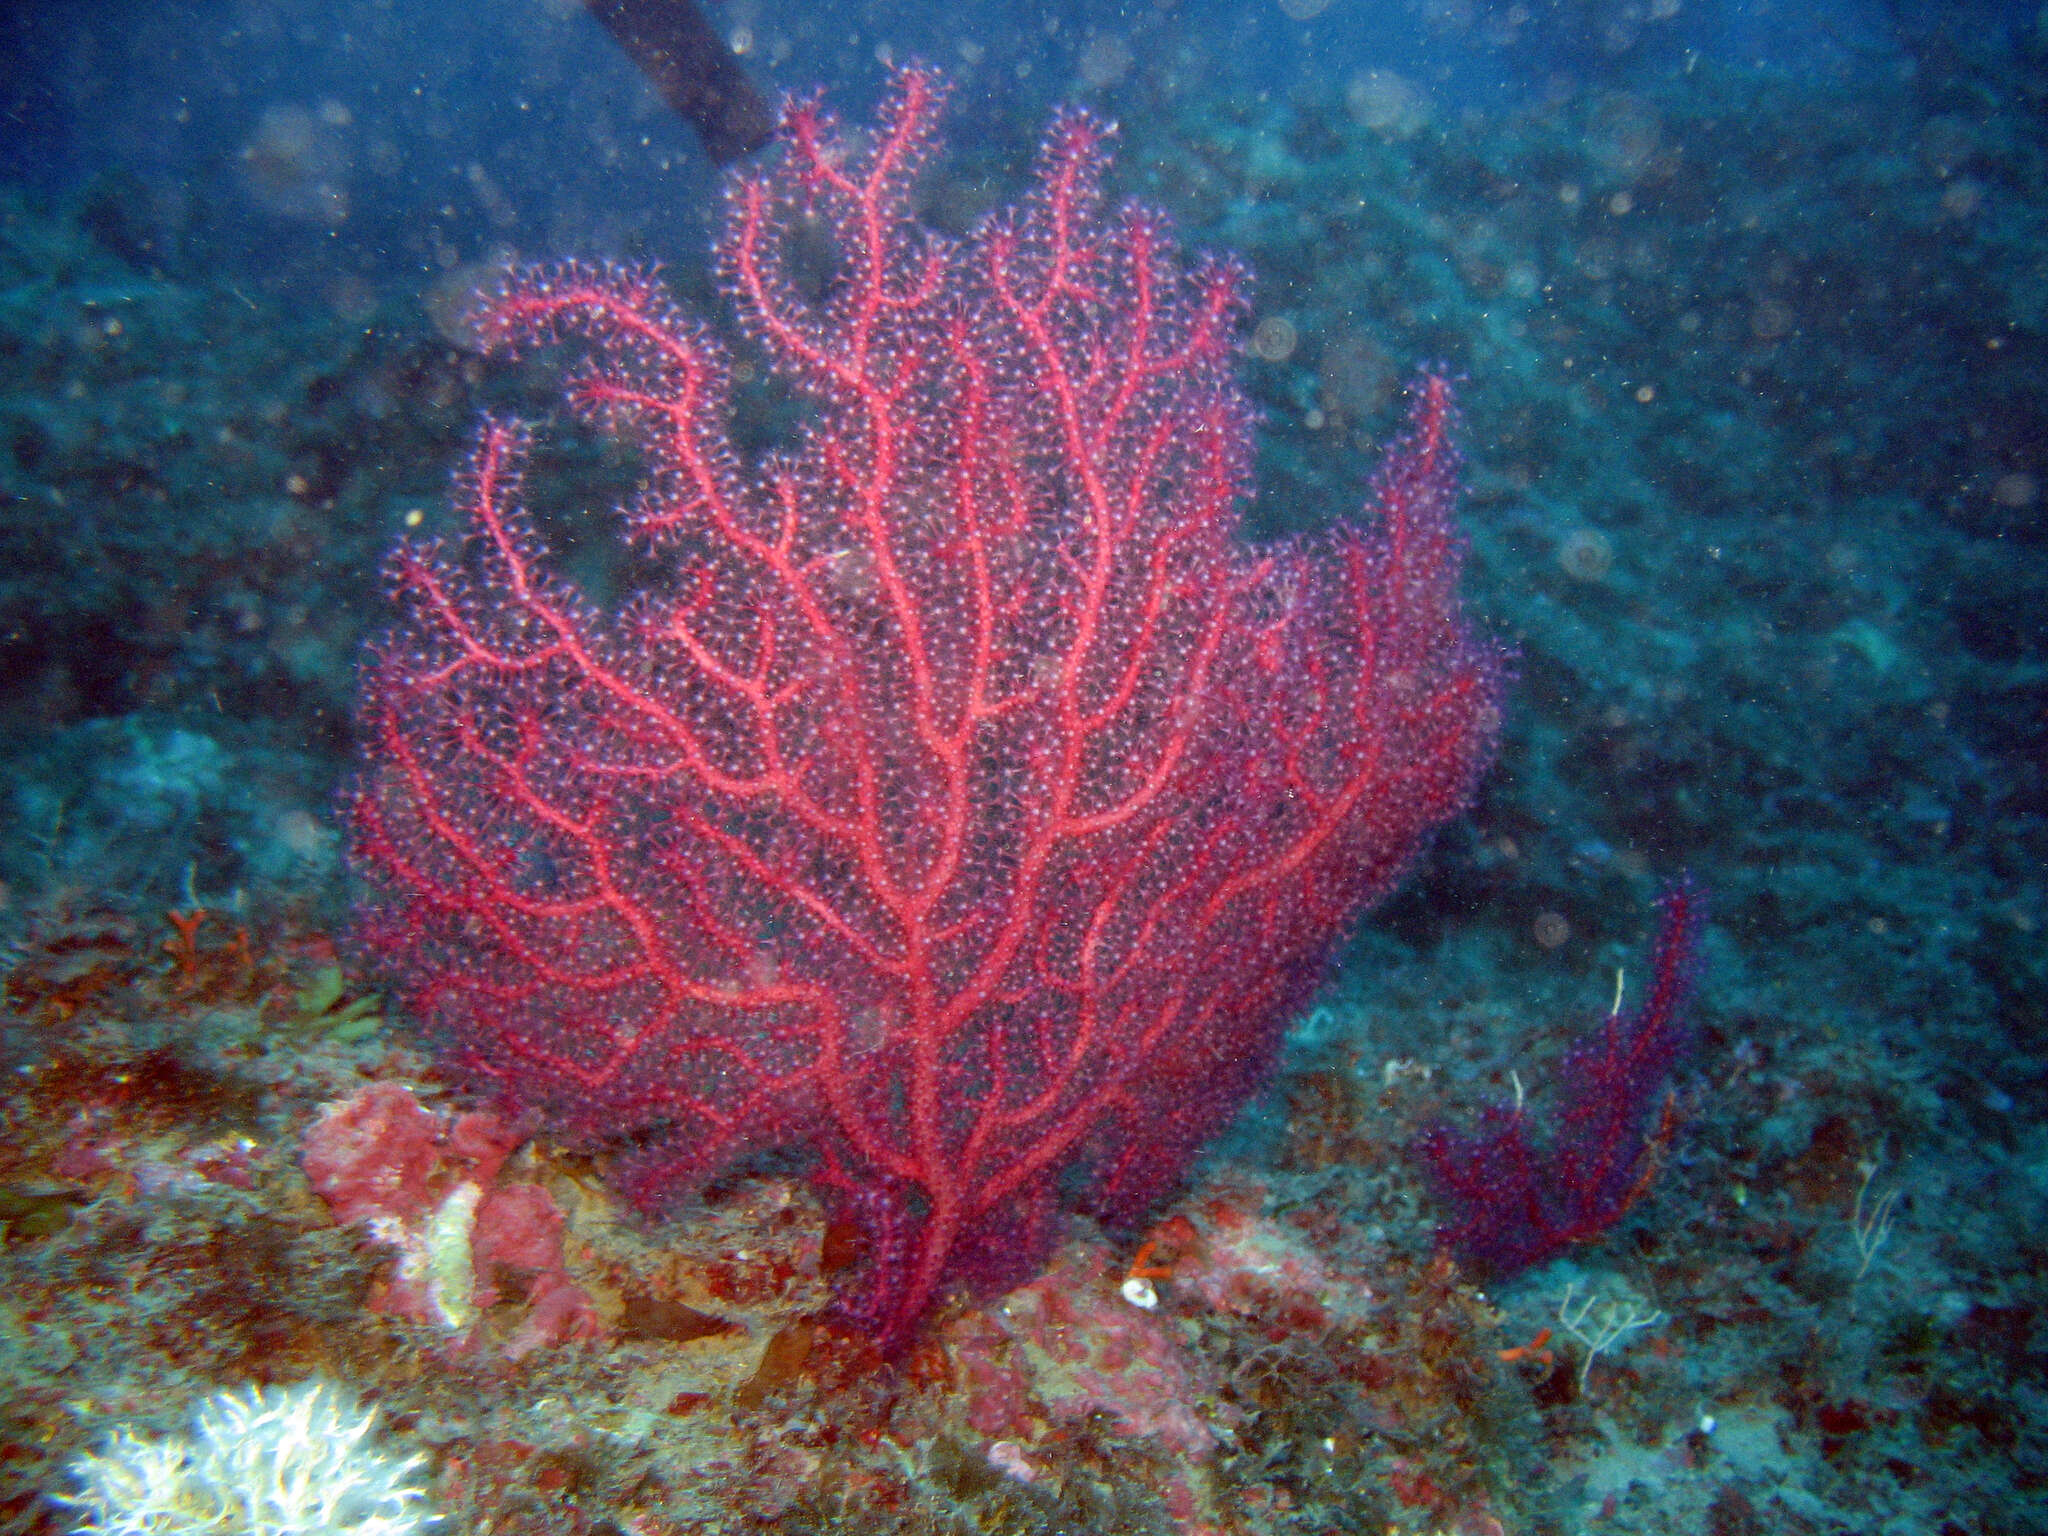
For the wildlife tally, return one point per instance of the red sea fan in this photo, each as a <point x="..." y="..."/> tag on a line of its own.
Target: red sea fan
<point x="1519" y="1194"/>
<point x="970" y="806"/>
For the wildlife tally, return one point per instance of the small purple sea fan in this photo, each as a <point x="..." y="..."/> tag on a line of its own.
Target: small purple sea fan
<point x="1517" y="1200"/>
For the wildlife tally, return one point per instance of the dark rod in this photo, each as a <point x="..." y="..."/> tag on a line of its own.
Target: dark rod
<point x="685" y="59"/>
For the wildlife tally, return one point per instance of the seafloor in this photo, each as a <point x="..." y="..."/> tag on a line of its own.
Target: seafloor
<point x="1752" y="379"/>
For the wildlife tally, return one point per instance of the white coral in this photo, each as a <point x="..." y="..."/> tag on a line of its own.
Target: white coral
<point x="281" y="1461"/>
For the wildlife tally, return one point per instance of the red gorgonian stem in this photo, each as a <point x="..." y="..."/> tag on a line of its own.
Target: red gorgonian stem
<point x="969" y="804"/>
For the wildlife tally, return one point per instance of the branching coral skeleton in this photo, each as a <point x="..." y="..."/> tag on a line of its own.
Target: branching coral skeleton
<point x="1870" y="1221"/>
<point x="1601" y="1322"/>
